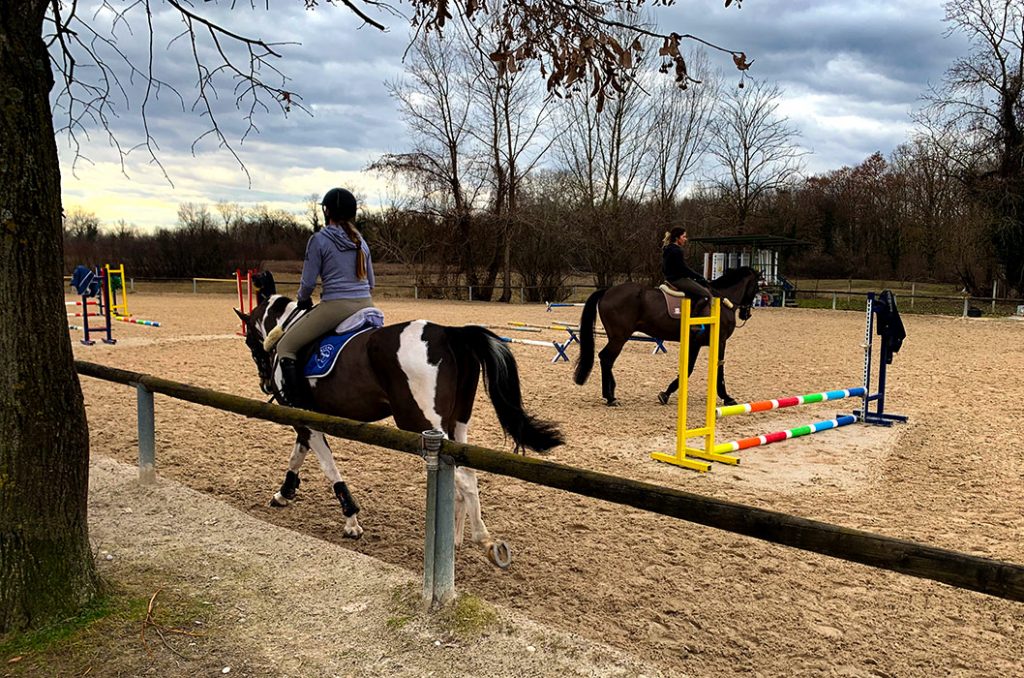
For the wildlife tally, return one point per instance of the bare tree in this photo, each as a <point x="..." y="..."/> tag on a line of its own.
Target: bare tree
<point x="511" y="126"/>
<point x="680" y="128"/>
<point x="754" y="146"/>
<point x="978" y="117"/>
<point x="46" y="567"/>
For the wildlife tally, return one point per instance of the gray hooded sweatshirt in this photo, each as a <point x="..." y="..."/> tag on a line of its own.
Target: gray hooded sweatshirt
<point x="331" y="256"/>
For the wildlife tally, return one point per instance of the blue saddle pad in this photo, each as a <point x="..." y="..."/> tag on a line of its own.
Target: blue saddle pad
<point x="322" y="361"/>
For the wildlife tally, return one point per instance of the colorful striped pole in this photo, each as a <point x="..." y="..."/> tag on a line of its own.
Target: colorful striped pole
<point x="737" y="445"/>
<point x="792" y="401"/>
<point x="136" y="321"/>
<point x="79" y="303"/>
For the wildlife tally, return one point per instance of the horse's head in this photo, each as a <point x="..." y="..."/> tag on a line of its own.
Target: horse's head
<point x="740" y="285"/>
<point x="258" y="324"/>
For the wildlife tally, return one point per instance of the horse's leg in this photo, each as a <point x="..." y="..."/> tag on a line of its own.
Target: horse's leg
<point x="722" y="393"/>
<point x="349" y="507"/>
<point x="291" y="483"/>
<point x="467" y="500"/>
<point x="669" y="390"/>
<point x="608" y="356"/>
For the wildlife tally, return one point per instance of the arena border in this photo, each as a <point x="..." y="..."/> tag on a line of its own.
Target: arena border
<point x="960" y="570"/>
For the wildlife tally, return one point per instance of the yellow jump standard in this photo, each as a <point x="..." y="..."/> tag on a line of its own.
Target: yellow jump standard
<point x="707" y="431"/>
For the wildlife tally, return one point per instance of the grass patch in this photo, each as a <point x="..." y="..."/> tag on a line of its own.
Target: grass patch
<point x="468" y="616"/>
<point x="105" y="638"/>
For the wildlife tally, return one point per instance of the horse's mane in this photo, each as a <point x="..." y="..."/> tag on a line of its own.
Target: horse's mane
<point x="733" y="276"/>
<point x="265" y="285"/>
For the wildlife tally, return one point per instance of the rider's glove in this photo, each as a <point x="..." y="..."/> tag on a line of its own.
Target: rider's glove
<point x="305" y="304"/>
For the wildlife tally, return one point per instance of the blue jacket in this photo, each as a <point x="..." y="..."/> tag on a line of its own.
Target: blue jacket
<point x="331" y="256"/>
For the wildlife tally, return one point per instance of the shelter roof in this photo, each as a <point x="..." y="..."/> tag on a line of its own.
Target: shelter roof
<point x="756" y="241"/>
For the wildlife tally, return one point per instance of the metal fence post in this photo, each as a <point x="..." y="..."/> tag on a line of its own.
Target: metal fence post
<point x="967" y="303"/>
<point x="193" y="286"/>
<point x="470" y="292"/>
<point x="439" y="533"/>
<point x="994" y="290"/>
<point x="913" y="291"/>
<point x="147" y="436"/>
<point x="833" y="301"/>
<point x="415" y="291"/>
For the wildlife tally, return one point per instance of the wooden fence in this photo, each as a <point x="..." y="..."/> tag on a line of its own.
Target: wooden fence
<point x="975" y="573"/>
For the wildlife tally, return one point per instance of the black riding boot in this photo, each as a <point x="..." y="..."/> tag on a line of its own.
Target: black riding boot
<point x="296" y="388"/>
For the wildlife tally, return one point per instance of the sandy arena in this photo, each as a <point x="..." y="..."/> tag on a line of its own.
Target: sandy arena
<point x="691" y="600"/>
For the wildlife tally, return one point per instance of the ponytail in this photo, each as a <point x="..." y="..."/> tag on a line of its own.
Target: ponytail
<point x="354" y="236"/>
<point x="670" y="236"/>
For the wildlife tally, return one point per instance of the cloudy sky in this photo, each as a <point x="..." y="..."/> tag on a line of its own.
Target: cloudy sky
<point x="851" y="72"/>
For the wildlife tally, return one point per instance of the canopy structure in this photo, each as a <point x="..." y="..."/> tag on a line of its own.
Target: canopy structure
<point x="758" y="250"/>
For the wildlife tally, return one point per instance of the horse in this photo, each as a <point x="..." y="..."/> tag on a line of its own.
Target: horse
<point x="631" y="307"/>
<point x="424" y="375"/>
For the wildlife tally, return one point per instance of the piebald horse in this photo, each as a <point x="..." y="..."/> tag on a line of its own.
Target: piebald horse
<point x="425" y="376"/>
<point x="631" y="307"/>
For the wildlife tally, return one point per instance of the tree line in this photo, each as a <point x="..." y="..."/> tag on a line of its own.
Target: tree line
<point x="510" y="186"/>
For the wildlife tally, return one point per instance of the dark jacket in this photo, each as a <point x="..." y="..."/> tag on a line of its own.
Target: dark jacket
<point x="673" y="265"/>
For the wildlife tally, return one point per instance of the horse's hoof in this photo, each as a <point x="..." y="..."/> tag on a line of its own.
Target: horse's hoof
<point x="499" y="554"/>
<point x="278" y="500"/>
<point x="352" y="533"/>
<point x="613" y="403"/>
<point x="730" y="401"/>
<point x="663" y="398"/>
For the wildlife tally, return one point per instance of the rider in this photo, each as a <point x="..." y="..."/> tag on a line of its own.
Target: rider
<point x="339" y="256"/>
<point x="677" y="273"/>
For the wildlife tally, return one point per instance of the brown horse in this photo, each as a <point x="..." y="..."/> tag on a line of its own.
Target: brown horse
<point x="632" y="307"/>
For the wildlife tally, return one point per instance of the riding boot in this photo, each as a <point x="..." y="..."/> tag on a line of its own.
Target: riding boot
<point x="296" y="388"/>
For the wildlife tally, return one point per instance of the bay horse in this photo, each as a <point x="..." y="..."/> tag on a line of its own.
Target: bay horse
<point x="631" y="307"/>
<point x="422" y="374"/>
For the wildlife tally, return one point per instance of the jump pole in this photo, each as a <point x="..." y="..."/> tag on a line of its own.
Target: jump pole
<point x="707" y="431"/>
<point x="791" y="401"/>
<point x="559" y="348"/>
<point x="779" y="436"/>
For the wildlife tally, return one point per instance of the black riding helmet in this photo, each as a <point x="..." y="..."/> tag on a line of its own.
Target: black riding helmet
<point x="340" y="204"/>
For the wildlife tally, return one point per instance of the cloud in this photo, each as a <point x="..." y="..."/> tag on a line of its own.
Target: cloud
<point x="851" y="71"/>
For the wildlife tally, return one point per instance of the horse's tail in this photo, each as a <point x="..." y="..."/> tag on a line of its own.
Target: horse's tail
<point x="501" y="380"/>
<point x="586" y="360"/>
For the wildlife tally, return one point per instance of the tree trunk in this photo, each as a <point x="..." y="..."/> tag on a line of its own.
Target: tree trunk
<point x="46" y="566"/>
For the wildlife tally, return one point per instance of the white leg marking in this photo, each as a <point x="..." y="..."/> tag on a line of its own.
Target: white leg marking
<point x="467" y="497"/>
<point x="318" y="443"/>
<point x="422" y="376"/>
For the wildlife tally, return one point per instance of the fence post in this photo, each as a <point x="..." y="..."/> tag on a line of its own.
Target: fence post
<point x="967" y="301"/>
<point x="194" y="286"/>
<point x="783" y="298"/>
<point x="415" y="291"/>
<point x="147" y="436"/>
<point x="994" y="290"/>
<point x="833" y="301"/>
<point x="131" y="284"/>
<point x="522" y="294"/>
<point x="439" y="533"/>
<point x="913" y="290"/>
<point x="470" y="292"/>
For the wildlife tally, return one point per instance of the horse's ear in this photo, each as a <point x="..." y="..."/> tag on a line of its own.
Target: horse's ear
<point x="244" y="317"/>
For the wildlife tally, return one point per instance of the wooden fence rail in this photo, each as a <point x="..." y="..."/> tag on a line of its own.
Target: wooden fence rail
<point x="975" y="573"/>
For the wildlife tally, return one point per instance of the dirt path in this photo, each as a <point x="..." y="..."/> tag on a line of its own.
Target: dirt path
<point x="689" y="599"/>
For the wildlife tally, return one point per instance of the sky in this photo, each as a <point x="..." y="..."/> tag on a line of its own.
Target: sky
<point x="851" y="72"/>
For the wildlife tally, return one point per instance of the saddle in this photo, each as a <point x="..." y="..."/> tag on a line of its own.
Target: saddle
<point x="673" y="300"/>
<point x="323" y="353"/>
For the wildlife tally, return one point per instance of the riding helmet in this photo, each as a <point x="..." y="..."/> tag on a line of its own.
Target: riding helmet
<point x="340" y="203"/>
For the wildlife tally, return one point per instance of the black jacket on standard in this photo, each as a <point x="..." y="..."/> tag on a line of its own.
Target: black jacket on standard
<point x="673" y="265"/>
